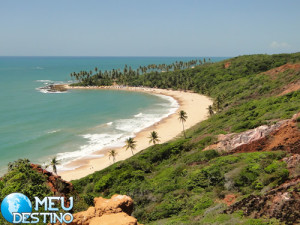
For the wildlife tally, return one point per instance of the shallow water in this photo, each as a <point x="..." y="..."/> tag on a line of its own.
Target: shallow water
<point x="70" y="125"/>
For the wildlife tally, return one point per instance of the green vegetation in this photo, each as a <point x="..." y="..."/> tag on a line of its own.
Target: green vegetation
<point x="128" y="76"/>
<point x="181" y="181"/>
<point x="21" y="178"/>
<point x="177" y="182"/>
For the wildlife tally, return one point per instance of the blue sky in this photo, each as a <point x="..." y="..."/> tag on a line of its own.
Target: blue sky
<point x="148" y="28"/>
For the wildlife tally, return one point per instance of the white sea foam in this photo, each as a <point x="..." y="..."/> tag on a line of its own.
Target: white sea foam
<point x="121" y="130"/>
<point x="138" y="123"/>
<point x="171" y="100"/>
<point x="95" y="142"/>
<point x="144" y="120"/>
<point x="138" y="115"/>
<point x="44" y="81"/>
<point x="46" y="88"/>
<point x="53" y="131"/>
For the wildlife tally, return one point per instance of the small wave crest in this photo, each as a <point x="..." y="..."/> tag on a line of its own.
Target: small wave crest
<point x="121" y="130"/>
<point x="139" y="123"/>
<point x="53" y="131"/>
<point x="44" y="81"/>
<point x="171" y="100"/>
<point x="95" y="142"/>
<point x="138" y="115"/>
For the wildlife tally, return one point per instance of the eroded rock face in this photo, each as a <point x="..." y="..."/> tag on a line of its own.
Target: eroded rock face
<point x="231" y="141"/>
<point x="58" y="186"/>
<point x="114" y="211"/>
<point x="284" y="135"/>
<point x="275" y="71"/>
<point x="227" y="65"/>
<point x="293" y="164"/>
<point x="282" y="202"/>
<point x="113" y="219"/>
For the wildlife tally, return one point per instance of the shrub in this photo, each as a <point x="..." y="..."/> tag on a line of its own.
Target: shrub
<point x="103" y="183"/>
<point x="201" y="156"/>
<point x="203" y="203"/>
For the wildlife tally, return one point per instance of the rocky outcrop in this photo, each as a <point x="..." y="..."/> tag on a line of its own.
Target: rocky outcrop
<point x="282" y="203"/>
<point x="293" y="164"/>
<point x="114" y="219"/>
<point x="294" y="71"/>
<point x="273" y="72"/>
<point x="114" y="211"/>
<point x="284" y="135"/>
<point x="227" y="65"/>
<point x="58" y="186"/>
<point x="229" y="199"/>
<point x="294" y="86"/>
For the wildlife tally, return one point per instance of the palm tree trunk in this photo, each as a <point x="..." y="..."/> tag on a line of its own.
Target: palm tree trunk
<point x="54" y="169"/>
<point x="183" y="129"/>
<point x="132" y="151"/>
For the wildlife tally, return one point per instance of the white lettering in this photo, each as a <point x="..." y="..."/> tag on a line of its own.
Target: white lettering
<point x="25" y="217"/>
<point x="15" y="217"/>
<point x="43" y="202"/>
<point x="51" y="203"/>
<point x="63" y="204"/>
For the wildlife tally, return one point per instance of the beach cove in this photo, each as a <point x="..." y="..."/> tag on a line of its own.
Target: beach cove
<point x="168" y="128"/>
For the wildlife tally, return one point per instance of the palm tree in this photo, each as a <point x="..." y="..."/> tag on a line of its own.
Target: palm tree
<point x="113" y="154"/>
<point x="154" y="138"/>
<point x="54" y="162"/>
<point x="219" y="102"/>
<point x="182" y="117"/>
<point x="130" y="143"/>
<point x="210" y="110"/>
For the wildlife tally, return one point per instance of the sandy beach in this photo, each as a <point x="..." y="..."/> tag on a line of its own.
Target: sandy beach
<point x="193" y="104"/>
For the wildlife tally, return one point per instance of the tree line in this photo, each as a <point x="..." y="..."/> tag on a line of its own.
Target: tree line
<point x="128" y="75"/>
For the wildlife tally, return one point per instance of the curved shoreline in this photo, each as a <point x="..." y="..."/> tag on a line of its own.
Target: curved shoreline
<point x="168" y="128"/>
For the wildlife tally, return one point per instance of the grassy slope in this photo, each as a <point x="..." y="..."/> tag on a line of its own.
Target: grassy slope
<point x="176" y="182"/>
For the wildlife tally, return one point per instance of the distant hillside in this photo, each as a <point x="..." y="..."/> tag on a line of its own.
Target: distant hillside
<point x="179" y="183"/>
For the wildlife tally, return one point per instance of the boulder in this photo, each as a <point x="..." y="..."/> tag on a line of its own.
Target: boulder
<point x="114" y="211"/>
<point x="283" y="135"/>
<point x="113" y="219"/>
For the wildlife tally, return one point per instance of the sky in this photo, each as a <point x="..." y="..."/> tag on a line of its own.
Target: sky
<point x="148" y="28"/>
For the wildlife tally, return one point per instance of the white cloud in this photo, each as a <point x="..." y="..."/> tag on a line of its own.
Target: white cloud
<point x="279" y="45"/>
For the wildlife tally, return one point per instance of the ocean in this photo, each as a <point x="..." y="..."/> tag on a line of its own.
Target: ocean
<point x="38" y="125"/>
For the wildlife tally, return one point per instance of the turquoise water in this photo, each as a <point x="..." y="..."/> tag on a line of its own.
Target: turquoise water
<point x="70" y="125"/>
